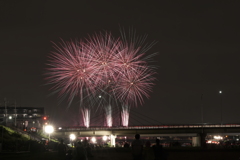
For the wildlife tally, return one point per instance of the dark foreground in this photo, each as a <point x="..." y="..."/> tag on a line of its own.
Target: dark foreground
<point x="125" y="154"/>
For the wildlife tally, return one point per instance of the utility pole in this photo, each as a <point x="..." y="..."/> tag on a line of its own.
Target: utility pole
<point x="15" y="113"/>
<point x="5" y="103"/>
<point x="220" y="92"/>
<point x="202" y="108"/>
<point x="202" y="111"/>
<point x="120" y="117"/>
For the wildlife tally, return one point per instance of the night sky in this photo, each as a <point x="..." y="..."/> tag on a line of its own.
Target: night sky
<point x="198" y="54"/>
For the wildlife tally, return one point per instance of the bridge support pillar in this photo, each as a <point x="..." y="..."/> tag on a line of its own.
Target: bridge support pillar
<point x="199" y="141"/>
<point x="112" y="140"/>
<point x="196" y="141"/>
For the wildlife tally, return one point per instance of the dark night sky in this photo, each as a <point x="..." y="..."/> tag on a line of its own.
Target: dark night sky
<point x="198" y="46"/>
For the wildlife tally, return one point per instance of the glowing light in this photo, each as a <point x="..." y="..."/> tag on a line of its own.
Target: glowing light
<point x="49" y="129"/>
<point x="72" y="137"/>
<point x="218" y="137"/>
<point x="94" y="139"/>
<point x="113" y="143"/>
<point x="104" y="138"/>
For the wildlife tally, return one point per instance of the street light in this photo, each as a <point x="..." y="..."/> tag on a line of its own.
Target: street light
<point x="49" y="129"/>
<point x="104" y="138"/>
<point x="72" y="138"/>
<point x="94" y="139"/>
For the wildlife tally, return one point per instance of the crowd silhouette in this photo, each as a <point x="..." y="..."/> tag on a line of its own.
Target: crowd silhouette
<point x="82" y="150"/>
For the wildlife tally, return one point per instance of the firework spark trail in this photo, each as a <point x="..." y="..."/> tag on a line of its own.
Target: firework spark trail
<point x="102" y="64"/>
<point x="86" y="116"/>
<point x="106" y="102"/>
<point x="125" y="115"/>
<point x="108" y="110"/>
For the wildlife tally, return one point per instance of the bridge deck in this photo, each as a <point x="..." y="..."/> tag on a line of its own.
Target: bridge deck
<point x="204" y="126"/>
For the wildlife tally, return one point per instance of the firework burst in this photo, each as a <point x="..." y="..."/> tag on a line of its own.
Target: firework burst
<point x="71" y="70"/>
<point x="102" y="64"/>
<point x="133" y="85"/>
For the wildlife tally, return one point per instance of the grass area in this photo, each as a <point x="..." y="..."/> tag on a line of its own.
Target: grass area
<point x="10" y="131"/>
<point x="42" y="134"/>
<point x="11" y="135"/>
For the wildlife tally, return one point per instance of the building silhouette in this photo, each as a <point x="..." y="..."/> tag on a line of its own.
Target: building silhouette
<point x="24" y="118"/>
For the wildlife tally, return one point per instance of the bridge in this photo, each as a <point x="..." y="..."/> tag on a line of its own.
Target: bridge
<point x="198" y="132"/>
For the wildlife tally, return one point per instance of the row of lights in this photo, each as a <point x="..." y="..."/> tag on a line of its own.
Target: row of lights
<point x="49" y="129"/>
<point x="93" y="139"/>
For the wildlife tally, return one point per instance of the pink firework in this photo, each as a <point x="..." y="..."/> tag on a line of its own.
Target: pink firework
<point x="134" y="85"/>
<point x="102" y="64"/>
<point x="71" y="70"/>
<point x="104" y="49"/>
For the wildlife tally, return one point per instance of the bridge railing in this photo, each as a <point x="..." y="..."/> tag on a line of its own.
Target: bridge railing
<point x="150" y="127"/>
